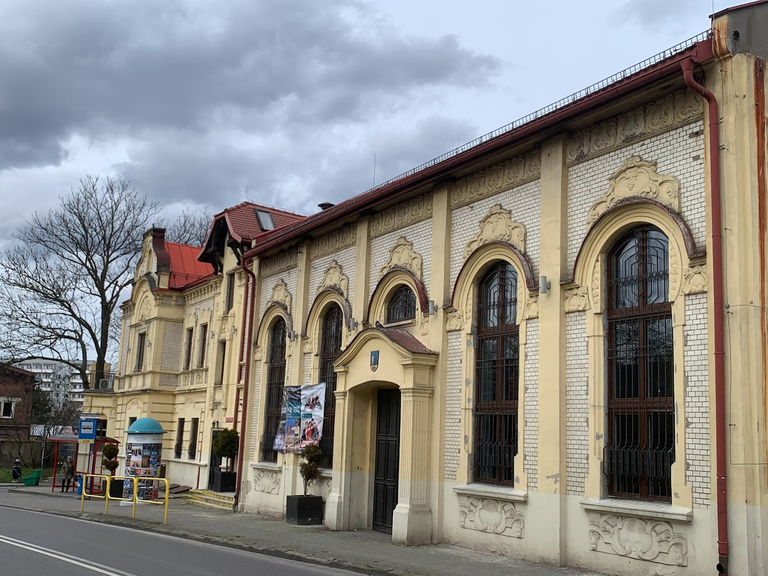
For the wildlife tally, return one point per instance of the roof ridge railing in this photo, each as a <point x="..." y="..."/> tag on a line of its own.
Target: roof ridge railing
<point x="655" y="59"/>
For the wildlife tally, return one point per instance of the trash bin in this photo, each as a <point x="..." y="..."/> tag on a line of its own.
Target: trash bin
<point x="79" y="480"/>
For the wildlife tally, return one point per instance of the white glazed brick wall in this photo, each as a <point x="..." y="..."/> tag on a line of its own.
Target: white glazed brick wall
<point x="421" y="236"/>
<point x="576" y="402"/>
<point x="267" y="284"/>
<point x="674" y="154"/>
<point x="524" y="202"/>
<point x="453" y="386"/>
<point x="697" y="440"/>
<point x="317" y="269"/>
<point x="172" y="346"/>
<point x="531" y="400"/>
<point x="307" y="369"/>
<point x="255" y="411"/>
<point x="200" y="307"/>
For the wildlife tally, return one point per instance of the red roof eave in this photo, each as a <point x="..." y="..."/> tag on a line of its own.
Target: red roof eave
<point x="699" y="52"/>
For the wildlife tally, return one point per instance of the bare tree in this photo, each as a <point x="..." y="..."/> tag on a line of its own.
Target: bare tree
<point x="61" y="284"/>
<point x="191" y="227"/>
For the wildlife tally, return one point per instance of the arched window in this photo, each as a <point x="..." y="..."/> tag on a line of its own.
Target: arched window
<point x="402" y="305"/>
<point x="330" y="348"/>
<point x="640" y="442"/>
<point x="275" y="384"/>
<point x="497" y="376"/>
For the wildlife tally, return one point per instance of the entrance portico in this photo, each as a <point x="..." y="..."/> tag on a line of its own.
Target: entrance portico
<point x="380" y="359"/>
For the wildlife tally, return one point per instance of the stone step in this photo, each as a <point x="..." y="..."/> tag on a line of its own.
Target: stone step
<point x="207" y="504"/>
<point x="210" y="499"/>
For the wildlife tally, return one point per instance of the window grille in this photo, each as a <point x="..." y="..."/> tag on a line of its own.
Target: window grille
<point x="402" y="305"/>
<point x="179" y="438"/>
<point x="330" y="349"/>
<point x="192" y="449"/>
<point x="640" y="445"/>
<point x="497" y="377"/>
<point x="275" y="384"/>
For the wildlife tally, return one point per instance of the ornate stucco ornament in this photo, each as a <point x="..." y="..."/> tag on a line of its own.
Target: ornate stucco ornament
<point x="335" y="278"/>
<point x="649" y="540"/>
<point x="695" y="279"/>
<point x="280" y="295"/>
<point x="638" y="178"/>
<point x="576" y="299"/>
<point x="497" y="225"/>
<point x="491" y="516"/>
<point x="402" y="255"/>
<point x="531" y="310"/>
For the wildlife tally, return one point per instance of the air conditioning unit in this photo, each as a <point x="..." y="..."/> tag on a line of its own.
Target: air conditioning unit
<point x="104" y="384"/>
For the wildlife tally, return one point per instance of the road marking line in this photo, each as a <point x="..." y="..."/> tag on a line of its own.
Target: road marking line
<point x="100" y="568"/>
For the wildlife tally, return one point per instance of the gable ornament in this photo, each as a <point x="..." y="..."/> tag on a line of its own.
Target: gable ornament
<point x="335" y="278"/>
<point x="497" y="225"/>
<point x="637" y="178"/>
<point x="280" y="295"/>
<point x="402" y="255"/>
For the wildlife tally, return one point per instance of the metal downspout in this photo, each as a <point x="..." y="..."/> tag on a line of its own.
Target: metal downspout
<point x="246" y="376"/>
<point x="719" y="310"/>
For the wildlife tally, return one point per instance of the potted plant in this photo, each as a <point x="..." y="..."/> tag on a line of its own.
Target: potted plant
<point x="111" y="463"/>
<point x="225" y="445"/>
<point x="306" y="509"/>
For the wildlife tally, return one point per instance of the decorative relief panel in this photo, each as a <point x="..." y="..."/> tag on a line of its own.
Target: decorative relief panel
<point x="280" y="295"/>
<point x="695" y="280"/>
<point x="597" y="286"/>
<point x="491" y="516"/>
<point x="267" y="481"/>
<point x="402" y="255"/>
<point x="454" y="320"/>
<point x="281" y="262"/>
<point x="651" y="540"/>
<point x="531" y="308"/>
<point x="638" y="178"/>
<point x="335" y="278"/>
<point x="497" y="225"/>
<point x="333" y="242"/>
<point x="495" y="179"/>
<point x="402" y="215"/>
<point x="576" y="299"/>
<point x="659" y="116"/>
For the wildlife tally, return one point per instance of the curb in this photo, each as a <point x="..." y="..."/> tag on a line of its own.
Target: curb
<point x="286" y="554"/>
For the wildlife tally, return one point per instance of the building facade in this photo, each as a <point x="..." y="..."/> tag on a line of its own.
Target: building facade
<point x="16" y="390"/>
<point x="550" y="343"/>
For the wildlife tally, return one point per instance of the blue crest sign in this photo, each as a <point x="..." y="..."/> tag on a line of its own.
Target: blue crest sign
<point x="374" y="360"/>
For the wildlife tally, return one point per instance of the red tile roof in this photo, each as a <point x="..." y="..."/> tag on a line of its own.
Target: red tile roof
<point x="185" y="267"/>
<point x="243" y="224"/>
<point x="406" y="340"/>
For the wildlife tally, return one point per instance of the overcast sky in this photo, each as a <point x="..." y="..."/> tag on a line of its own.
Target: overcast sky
<point x="285" y="102"/>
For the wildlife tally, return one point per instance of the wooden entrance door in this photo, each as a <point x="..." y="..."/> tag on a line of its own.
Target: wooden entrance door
<point x="215" y="461"/>
<point x="387" y="460"/>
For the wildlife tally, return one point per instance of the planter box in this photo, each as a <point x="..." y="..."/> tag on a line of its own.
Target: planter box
<point x="224" y="481"/>
<point x="304" y="510"/>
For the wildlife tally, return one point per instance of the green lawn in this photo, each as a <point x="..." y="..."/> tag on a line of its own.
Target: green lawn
<point x="6" y="476"/>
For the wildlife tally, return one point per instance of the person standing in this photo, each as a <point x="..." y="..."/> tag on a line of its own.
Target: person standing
<point x="68" y="470"/>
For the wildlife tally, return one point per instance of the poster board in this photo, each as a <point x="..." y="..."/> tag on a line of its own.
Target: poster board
<point x="301" y="420"/>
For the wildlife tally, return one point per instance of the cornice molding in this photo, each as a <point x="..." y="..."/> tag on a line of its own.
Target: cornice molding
<point x="401" y="215"/>
<point x="667" y="113"/>
<point x="497" y="178"/>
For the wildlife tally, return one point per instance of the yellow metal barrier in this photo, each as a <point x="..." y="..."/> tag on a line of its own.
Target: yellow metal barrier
<point x="134" y="497"/>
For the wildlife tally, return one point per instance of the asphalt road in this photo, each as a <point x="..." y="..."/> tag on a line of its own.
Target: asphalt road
<point x="33" y="543"/>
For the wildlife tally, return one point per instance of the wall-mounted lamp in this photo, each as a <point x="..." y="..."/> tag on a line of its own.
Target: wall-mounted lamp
<point x="212" y="336"/>
<point x="291" y="335"/>
<point x="214" y="424"/>
<point x="432" y="308"/>
<point x="544" y="285"/>
<point x="149" y="343"/>
<point x="234" y="330"/>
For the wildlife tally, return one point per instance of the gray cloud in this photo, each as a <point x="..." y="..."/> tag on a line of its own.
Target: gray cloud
<point x="173" y="77"/>
<point x="654" y="13"/>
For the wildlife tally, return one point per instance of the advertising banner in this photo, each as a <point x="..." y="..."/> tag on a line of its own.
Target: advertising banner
<point x="301" y="422"/>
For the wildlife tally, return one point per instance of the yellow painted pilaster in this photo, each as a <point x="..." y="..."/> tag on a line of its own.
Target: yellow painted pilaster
<point x="362" y="265"/>
<point x="553" y="250"/>
<point x="301" y="302"/>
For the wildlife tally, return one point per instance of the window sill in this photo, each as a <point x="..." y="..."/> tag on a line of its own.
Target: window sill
<point x="266" y="466"/>
<point x="638" y="509"/>
<point x="493" y="492"/>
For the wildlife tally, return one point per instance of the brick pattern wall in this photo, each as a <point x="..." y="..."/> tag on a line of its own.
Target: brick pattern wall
<point x="267" y="284"/>
<point x="524" y="202"/>
<point x="697" y="440"/>
<point x="318" y="267"/>
<point x="306" y="380"/>
<point x="173" y="346"/>
<point x="531" y="400"/>
<point x="678" y="153"/>
<point x="576" y="402"/>
<point x="253" y="446"/>
<point x="453" y="387"/>
<point x="419" y="234"/>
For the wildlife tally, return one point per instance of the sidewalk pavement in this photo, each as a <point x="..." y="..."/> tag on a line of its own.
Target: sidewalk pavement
<point x="363" y="551"/>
